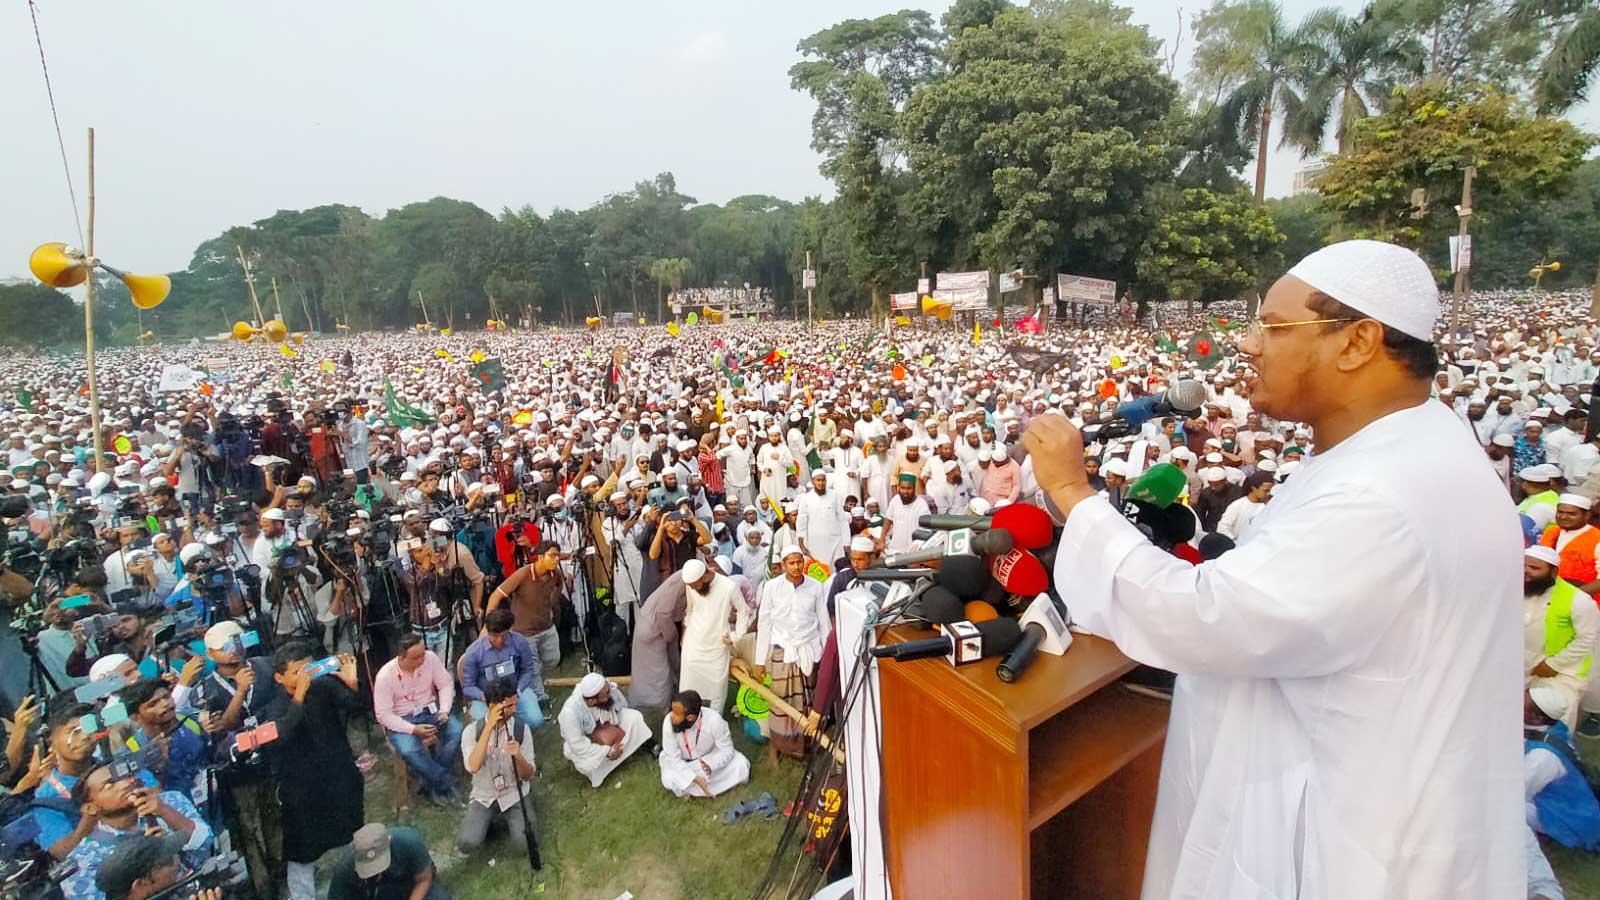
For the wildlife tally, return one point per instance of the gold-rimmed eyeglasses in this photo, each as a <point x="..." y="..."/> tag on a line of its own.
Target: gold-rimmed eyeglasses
<point x="1258" y="328"/>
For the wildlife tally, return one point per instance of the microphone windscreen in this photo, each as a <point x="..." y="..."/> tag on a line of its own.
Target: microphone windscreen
<point x="1020" y="572"/>
<point x="963" y="575"/>
<point x="1186" y="395"/>
<point x="993" y="542"/>
<point x="978" y="611"/>
<point x="999" y="635"/>
<point x="1029" y="525"/>
<point x="941" y="607"/>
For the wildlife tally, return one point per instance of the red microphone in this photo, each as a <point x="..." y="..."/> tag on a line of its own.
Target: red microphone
<point x="1030" y="526"/>
<point x="1020" y="573"/>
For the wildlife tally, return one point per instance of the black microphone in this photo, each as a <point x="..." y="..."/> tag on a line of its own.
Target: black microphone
<point x="994" y="637"/>
<point x="982" y="543"/>
<point x="965" y="576"/>
<point x="1044" y="625"/>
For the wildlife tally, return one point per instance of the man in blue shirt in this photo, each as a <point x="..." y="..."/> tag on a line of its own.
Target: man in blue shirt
<point x="502" y="654"/>
<point x="111" y="809"/>
<point x="183" y="749"/>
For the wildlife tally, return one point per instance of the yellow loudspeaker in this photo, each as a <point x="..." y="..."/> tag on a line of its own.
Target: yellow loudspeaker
<point x="939" y="309"/>
<point x="340" y="326"/>
<point x="1553" y="266"/>
<point x="148" y="336"/>
<point x="593" y="322"/>
<point x="244" y="331"/>
<point x="147" y="291"/>
<point x="297" y="338"/>
<point x="275" y="331"/>
<point x="54" y="265"/>
<point x="712" y="315"/>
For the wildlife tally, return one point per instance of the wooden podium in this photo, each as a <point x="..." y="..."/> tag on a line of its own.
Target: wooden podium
<point x="1042" y="788"/>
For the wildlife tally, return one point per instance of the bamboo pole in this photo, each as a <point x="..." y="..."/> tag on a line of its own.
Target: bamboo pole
<point x="278" y="300"/>
<point x="621" y="680"/>
<point x="744" y="677"/>
<point x="88" y="325"/>
<point x="250" y="282"/>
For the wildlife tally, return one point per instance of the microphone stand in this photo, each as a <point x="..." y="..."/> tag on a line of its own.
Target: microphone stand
<point x="529" y="837"/>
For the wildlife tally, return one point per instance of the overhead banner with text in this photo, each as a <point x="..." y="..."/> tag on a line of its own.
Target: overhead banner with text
<point x="908" y="300"/>
<point x="1082" y="289"/>
<point x="966" y="291"/>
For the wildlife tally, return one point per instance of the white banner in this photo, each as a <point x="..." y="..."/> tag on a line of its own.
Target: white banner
<point x="1009" y="282"/>
<point x="1082" y="289"/>
<point x="1460" y="252"/>
<point x="922" y="286"/>
<point x="808" y="279"/>
<point x="908" y="300"/>
<point x="179" y="377"/>
<point x="964" y="300"/>
<point x="964" y="281"/>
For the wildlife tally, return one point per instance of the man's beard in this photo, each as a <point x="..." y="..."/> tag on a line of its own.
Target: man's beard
<point x="682" y="726"/>
<point x="1538" y="586"/>
<point x="1474" y="416"/>
<point x="605" y="704"/>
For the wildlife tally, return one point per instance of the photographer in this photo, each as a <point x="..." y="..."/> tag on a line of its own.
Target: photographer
<point x="534" y="592"/>
<point x="385" y="864"/>
<point x="182" y="750"/>
<point x="112" y="809"/>
<point x="192" y="461"/>
<point x="429" y="610"/>
<point x="319" y="787"/>
<point x="498" y="752"/>
<point x="142" y="866"/>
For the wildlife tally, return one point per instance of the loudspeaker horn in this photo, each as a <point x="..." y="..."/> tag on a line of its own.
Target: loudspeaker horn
<point x="712" y="314"/>
<point x="147" y="291"/>
<point x="939" y="309"/>
<point x="58" y="265"/>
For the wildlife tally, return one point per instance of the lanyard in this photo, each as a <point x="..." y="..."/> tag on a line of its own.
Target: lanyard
<point x="688" y="749"/>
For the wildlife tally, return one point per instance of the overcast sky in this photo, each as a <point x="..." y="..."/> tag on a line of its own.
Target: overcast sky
<point x="210" y="115"/>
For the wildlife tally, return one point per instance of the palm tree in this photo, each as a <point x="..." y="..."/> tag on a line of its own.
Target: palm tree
<point x="1563" y="77"/>
<point x="1250" y="53"/>
<point x="1355" y="65"/>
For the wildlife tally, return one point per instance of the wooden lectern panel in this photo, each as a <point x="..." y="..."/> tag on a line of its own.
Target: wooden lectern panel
<point x="1041" y="788"/>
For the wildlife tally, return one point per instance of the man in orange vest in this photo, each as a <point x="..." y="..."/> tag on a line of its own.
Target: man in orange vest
<point x="1576" y="541"/>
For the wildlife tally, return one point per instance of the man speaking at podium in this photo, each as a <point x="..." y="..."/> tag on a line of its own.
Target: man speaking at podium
<point x="1346" y="718"/>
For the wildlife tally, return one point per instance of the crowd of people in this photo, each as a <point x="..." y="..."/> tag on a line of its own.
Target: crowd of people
<point x="370" y="525"/>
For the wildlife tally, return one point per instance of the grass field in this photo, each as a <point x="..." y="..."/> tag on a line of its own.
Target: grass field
<point x="630" y="834"/>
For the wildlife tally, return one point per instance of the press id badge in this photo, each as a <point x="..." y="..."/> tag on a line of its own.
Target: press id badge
<point x="500" y="783"/>
<point x="433" y="610"/>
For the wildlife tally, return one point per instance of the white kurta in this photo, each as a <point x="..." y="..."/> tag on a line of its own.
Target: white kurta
<point x="1347" y="714"/>
<point x="773" y="461"/>
<point x="904" y="516"/>
<point x="707" y="740"/>
<point x="705" y="622"/>
<point x="823" y="524"/>
<point x="578" y="721"/>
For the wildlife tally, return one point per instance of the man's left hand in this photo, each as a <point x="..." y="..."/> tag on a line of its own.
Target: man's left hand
<point x="1543" y="670"/>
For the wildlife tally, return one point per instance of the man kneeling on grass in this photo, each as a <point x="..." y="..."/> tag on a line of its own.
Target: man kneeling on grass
<point x="697" y="755"/>
<point x="598" y="729"/>
<point x="498" y="751"/>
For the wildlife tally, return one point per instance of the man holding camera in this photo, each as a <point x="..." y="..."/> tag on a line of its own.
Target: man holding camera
<point x="498" y="752"/>
<point x="113" y="805"/>
<point x="143" y="866"/>
<point x="412" y="697"/>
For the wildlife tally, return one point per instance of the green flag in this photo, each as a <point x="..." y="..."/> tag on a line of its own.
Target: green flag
<point x="489" y="374"/>
<point x="1165" y="343"/>
<point x="400" y="412"/>
<point x="1226" y="325"/>
<point x="1203" y="350"/>
<point x="287" y="381"/>
<point x="25" y="399"/>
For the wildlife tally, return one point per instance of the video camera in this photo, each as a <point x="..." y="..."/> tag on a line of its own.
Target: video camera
<point x="33" y="875"/>
<point x="224" y="871"/>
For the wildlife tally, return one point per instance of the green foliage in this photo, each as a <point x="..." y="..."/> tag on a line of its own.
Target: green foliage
<point x="1469" y="41"/>
<point x="1039" y="147"/>
<point x="1307" y="225"/>
<point x="1428" y="136"/>
<point x="1560" y="224"/>
<point x="32" y="314"/>
<point x="1354" y="66"/>
<point x="1208" y="247"/>
<point x="1563" y="77"/>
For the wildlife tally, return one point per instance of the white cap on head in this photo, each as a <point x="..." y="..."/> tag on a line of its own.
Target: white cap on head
<point x="439" y="526"/>
<point x="191" y="551"/>
<point x="1503" y="440"/>
<point x="1384" y="281"/>
<point x="693" y="571"/>
<point x="1543" y="554"/>
<point x="791" y="550"/>
<point x="1550" y="701"/>
<point x="106" y="666"/>
<point x="861" y="544"/>
<point x="591" y="684"/>
<point x="1578" y="500"/>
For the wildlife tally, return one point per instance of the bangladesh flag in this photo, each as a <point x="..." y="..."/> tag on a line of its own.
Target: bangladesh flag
<point x="1203" y="350"/>
<point x="490" y="374"/>
<point x="1165" y="343"/>
<point x="1225" y="325"/>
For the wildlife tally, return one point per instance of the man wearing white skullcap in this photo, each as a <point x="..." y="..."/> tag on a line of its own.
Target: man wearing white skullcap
<point x="790" y="628"/>
<point x="1576" y="541"/>
<point x="599" y="731"/>
<point x="1560" y="630"/>
<point x="711" y="601"/>
<point x="1540" y="503"/>
<point x="1337" y="703"/>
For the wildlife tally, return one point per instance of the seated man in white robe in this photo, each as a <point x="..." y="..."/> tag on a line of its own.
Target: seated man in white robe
<point x="598" y="729"/>
<point x="697" y="755"/>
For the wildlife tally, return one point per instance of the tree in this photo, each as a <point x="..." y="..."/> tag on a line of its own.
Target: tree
<point x="670" y="273"/>
<point x="1248" y="53"/>
<point x="1208" y="246"/>
<point x="1468" y="41"/>
<point x="1307" y="225"/>
<point x="1560" y="224"/>
<point x="31" y="313"/>
<point x="1563" y="76"/>
<point x="1425" y="139"/>
<point x="1356" y="62"/>
<point x="1040" y="145"/>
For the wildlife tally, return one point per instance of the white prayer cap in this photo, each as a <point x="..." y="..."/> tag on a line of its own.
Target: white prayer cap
<point x="591" y="684"/>
<point x="1503" y="440"/>
<point x="1267" y="465"/>
<point x="1540" y="473"/>
<point x="978" y="507"/>
<point x="190" y="551"/>
<point x="693" y="571"/>
<point x="1546" y="555"/>
<point x="440" y="526"/>
<point x="1383" y="281"/>
<point x="1115" y="467"/>
<point x="791" y="550"/>
<point x="105" y="666"/>
<point x="619" y="495"/>
<point x="1550" y="701"/>
<point x="1215" y="474"/>
<point x="861" y="544"/>
<point x="1578" y="500"/>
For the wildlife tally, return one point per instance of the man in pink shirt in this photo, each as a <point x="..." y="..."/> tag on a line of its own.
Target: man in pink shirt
<point x="412" y="696"/>
<point x="1002" y="481"/>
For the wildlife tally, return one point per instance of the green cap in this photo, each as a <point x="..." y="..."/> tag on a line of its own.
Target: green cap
<point x="1159" y="486"/>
